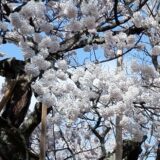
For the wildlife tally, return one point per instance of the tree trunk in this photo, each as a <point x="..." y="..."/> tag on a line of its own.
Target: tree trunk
<point x="14" y="106"/>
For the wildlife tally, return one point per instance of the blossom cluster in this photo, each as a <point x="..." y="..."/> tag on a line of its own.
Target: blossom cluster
<point x="73" y="92"/>
<point x="114" y="42"/>
<point x="76" y="92"/>
<point x="48" y="32"/>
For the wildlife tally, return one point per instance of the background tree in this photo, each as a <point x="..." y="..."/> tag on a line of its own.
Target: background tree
<point x="82" y="97"/>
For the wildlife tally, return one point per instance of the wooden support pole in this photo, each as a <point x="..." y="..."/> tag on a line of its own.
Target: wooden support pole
<point x="119" y="140"/>
<point x="43" y="132"/>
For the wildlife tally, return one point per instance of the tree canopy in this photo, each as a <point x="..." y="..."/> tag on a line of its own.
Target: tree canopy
<point x="85" y="109"/>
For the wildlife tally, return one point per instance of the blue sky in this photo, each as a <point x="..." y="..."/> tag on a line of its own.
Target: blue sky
<point x="11" y="50"/>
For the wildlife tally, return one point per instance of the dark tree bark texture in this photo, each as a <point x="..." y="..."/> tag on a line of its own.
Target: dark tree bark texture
<point x="13" y="144"/>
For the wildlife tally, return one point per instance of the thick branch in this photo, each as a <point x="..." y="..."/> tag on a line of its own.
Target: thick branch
<point x="132" y="149"/>
<point x="13" y="141"/>
<point x="115" y="12"/>
<point x="158" y="152"/>
<point x="155" y="63"/>
<point x="18" y="103"/>
<point x="10" y="68"/>
<point x="7" y="94"/>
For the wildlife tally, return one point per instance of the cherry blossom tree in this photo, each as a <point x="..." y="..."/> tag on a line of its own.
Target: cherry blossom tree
<point x="84" y="110"/>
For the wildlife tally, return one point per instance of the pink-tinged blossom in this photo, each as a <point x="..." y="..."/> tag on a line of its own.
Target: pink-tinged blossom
<point x="53" y="46"/>
<point x="77" y="74"/>
<point x="26" y="28"/>
<point x="14" y="35"/>
<point x="90" y="9"/>
<point x="156" y="50"/>
<point x="37" y="37"/>
<point x="89" y="22"/>
<point x="115" y="93"/>
<point x="16" y="19"/>
<point x="150" y="22"/>
<point x="32" y="69"/>
<point x="97" y="83"/>
<point x="44" y="42"/>
<point x="39" y="61"/>
<point x="46" y="27"/>
<point x="74" y="26"/>
<point x="70" y="10"/>
<point x="104" y="99"/>
<point x="33" y="9"/>
<point x="49" y="99"/>
<point x="61" y="75"/>
<point x="138" y="19"/>
<point x="39" y="88"/>
<point x="119" y="108"/>
<point x="107" y="112"/>
<point x="122" y="36"/>
<point x="148" y="72"/>
<point x="133" y="91"/>
<point x="62" y="64"/>
<point x="26" y="46"/>
<point x="50" y="75"/>
<point x="86" y="80"/>
<point x="44" y="52"/>
<point x="28" y="52"/>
